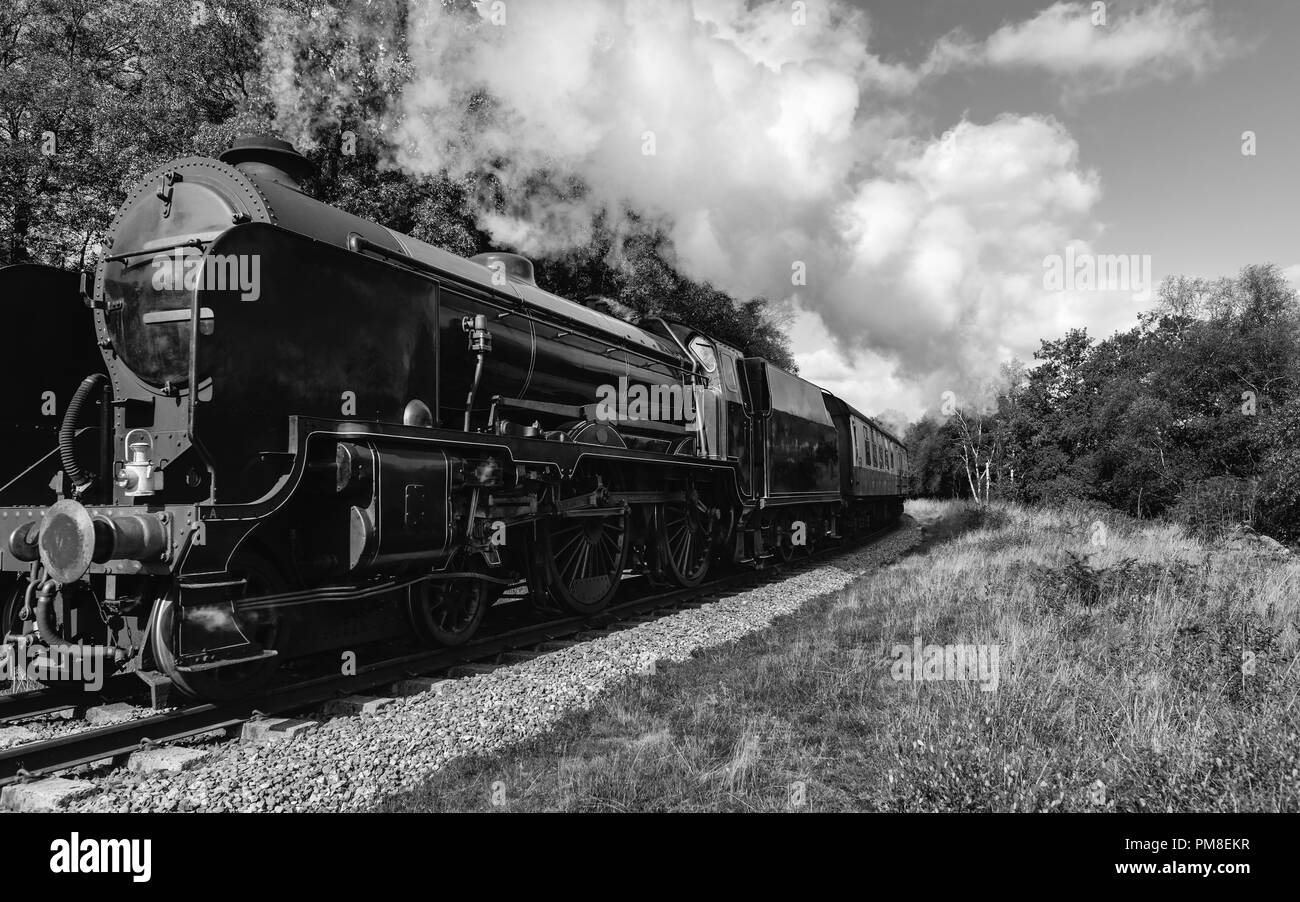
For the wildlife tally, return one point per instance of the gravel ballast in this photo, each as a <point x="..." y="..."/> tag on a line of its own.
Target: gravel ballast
<point x="348" y="763"/>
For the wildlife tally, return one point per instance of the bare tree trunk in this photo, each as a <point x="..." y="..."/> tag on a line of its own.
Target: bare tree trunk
<point x="85" y="245"/>
<point x="18" y="252"/>
<point x="970" y="480"/>
<point x="970" y="456"/>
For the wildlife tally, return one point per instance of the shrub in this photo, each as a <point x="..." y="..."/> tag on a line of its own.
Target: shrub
<point x="1214" y="506"/>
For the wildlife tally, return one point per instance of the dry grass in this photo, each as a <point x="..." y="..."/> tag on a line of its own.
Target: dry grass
<point x="926" y="509"/>
<point x="1121" y="686"/>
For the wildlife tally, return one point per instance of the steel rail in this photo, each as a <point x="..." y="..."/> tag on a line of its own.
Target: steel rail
<point x="18" y="706"/>
<point x="45" y="757"/>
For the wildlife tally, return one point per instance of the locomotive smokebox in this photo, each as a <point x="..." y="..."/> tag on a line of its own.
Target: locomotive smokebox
<point x="262" y="155"/>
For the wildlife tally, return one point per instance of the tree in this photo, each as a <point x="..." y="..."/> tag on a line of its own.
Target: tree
<point x="93" y="93"/>
<point x="932" y="452"/>
<point x="1190" y="413"/>
<point x="120" y="86"/>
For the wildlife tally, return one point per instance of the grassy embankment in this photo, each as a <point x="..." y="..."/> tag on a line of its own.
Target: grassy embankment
<point x="1121" y="686"/>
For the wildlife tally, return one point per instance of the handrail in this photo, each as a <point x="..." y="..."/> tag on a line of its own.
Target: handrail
<point x="193" y="242"/>
<point x="358" y="243"/>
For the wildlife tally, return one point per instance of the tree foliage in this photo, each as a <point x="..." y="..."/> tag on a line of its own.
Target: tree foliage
<point x="124" y="85"/>
<point x="93" y="93"/>
<point x="1194" y="412"/>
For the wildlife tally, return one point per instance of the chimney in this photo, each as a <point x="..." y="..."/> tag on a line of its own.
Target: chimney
<point x="269" y="158"/>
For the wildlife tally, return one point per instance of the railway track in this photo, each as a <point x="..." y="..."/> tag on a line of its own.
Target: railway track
<point x="49" y="756"/>
<point x="21" y="706"/>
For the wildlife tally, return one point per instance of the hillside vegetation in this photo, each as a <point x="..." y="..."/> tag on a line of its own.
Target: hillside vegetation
<point x="1192" y="414"/>
<point x="1139" y="668"/>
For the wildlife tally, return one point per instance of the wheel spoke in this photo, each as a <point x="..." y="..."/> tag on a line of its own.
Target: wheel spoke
<point x="685" y="543"/>
<point x="583" y="560"/>
<point x="585" y="553"/>
<point x="572" y="564"/>
<point x="612" y="546"/>
<point x="569" y="544"/>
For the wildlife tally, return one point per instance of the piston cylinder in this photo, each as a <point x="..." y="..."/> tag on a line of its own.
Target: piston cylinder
<point x="131" y="537"/>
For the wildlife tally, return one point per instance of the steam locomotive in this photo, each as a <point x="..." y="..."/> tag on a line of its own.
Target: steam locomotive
<point x="272" y="429"/>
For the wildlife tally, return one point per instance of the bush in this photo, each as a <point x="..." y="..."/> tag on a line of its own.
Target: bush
<point x="1080" y="582"/>
<point x="983" y="516"/>
<point x="1214" y="506"/>
<point x="1125" y="585"/>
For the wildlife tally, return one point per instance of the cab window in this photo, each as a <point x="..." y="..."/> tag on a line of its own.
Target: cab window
<point x="729" y="374"/>
<point x="744" y="385"/>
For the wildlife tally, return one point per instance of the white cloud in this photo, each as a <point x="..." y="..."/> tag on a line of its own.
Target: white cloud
<point x="944" y="252"/>
<point x="777" y="142"/>
<point x="758" y="124"/>
<point x="865" y="379"/>
<point x="1163" y="40"/>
